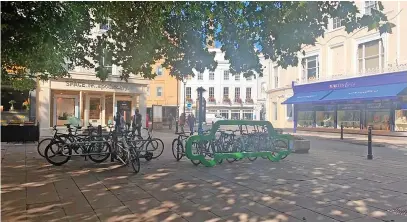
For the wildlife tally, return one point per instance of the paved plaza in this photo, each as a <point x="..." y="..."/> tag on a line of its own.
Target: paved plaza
<point x="334" y="182"/>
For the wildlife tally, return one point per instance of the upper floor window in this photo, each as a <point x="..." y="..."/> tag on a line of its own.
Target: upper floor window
<point x="159" y="91"/>
<point x="200" y="76"/>
<point x="371" y="55"/>
<point x="211" y="76"/>
<point x="336" y="23"/>
<point x="188" y="92"/>
<point x="211" y="92"/>
<point x="275" y="72"/>
<point x="249" y="78"/>
<point x="310" y="67"/>
<point x="106" y="24"/>
<point x="107" y="60"/>
<point x="237" y="93"/>
<point x="369" y="5"/>
<point x="248" y="93"/>
<point x="225" y="92"/>
<point x="275" y="109"/>
<point x="290" y="109"/>
<point x="237" y="77"/>
<point x="159" y="70"/>
<point x="226" y="75"/>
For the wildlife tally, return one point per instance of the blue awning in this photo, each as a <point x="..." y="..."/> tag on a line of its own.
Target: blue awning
<point x="366" y="93"/>
<point x="307" y="97"/>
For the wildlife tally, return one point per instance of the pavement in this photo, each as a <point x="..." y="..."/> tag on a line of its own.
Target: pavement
<point x="334" y="182"/>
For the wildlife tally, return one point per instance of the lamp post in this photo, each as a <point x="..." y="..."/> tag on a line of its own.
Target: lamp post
<point x="177" y="113"/>
<point x="185" y="95"/>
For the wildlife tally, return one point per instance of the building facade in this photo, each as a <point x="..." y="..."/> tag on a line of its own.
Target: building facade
<point x="233" y="97"/>
<point x="163" y="91"/>
<point x="336" y="62"/>
<point x="85" y="99"/>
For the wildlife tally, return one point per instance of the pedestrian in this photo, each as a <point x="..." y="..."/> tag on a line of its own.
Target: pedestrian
<point x="122" y="122"/>
<point x="117" y="121"/>
<point x="191" y="123"/>
<point x="182" y="121"/>
<point x="170" y="119"/>
<point x="137" y="122"/>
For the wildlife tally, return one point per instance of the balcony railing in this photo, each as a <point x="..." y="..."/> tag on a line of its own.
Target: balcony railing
<point x="395" y="67"/>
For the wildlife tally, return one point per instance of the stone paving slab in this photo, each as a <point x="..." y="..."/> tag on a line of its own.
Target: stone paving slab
<point x="334" y="182"/>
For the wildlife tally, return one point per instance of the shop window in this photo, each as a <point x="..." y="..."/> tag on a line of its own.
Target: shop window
<point x="200" y="76"/>
<point x="248" y="114"/>
<point x="237" y="77"/>
<point x="211" y="76"/>
<point x="371" y="56"/>
<point x="378" y="120"/>
<point x="65" y="109"/>
<point x="310" y="67"/>
<point x="94" y="110"/>
<point x="290" y="109"/>
<point x="235" y="114"/>
<point x="226" y="75"/>
<point x="188" y="92"/>
<point x="159" y="70"/>
<point x="159" y="91"/>
<point x="336" y="23"/>
<point x="369" y="5"/>
<point x="305" y="119"/>
<point x="224" y="114"/>
<point x="275" y="108"/>
<point x="325" y="119"/>
<point x="349" y="118"/>
<point x="401" y="120"/>
<point x="109" y="110"/>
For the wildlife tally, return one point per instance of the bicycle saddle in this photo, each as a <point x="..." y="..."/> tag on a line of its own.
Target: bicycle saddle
<point x="78" y="127"/>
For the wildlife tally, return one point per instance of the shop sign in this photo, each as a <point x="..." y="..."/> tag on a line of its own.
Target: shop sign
<point x="348" y="107"/>
<point x="342" y="85"/>
<point x="378" y="105"/>
<point x="101" y="85"/>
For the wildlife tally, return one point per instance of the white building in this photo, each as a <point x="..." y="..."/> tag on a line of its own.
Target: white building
<point x="233" y="97"/>
<point x="88" y="99"/>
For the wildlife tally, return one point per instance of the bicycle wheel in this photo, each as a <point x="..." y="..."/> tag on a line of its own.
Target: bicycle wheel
<point x="58" y="153"/>
<point x="280" y="145"/>
<point x="101" y="150"/>
<point x="195" y="147"/>
<point x="157" y="146"/>
<point x="42" y="145"/>
<point x="135" y="162"/>
<point x="177" y="149"/>
<point x="232" y="149"/>
<point x="213" y="146"/>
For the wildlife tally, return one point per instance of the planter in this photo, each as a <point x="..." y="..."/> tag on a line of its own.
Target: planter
<point x="301" y="145"/>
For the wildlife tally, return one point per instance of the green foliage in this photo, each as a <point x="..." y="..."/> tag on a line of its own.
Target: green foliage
<point x="43" y="36"/>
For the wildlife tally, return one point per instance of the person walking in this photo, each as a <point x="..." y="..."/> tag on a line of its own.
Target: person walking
<point x="170" y="119"/>
<point x="117" y="121"/>
<point x="182" y="121"/>
<point x="191" y="123"/>
<point x="137" y="122"/>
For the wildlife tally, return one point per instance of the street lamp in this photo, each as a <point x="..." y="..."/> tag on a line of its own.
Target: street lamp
<point x="185" y="93"/>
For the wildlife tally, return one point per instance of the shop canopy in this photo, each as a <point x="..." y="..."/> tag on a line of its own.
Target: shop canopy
<point x="390" y="91"/>
<point x="307" y="97"/>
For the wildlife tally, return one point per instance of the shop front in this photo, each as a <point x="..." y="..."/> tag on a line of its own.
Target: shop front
<point x="379" y="102"/>
<point x="86" y="102"/>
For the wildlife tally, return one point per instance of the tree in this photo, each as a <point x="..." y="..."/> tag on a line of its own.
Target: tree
<point x="140" y="33"/>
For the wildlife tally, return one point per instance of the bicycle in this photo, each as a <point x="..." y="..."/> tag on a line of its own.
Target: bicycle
<point x="148" y="146"/>
<point x="42" y="145"/>
<point x="124" y="153"/>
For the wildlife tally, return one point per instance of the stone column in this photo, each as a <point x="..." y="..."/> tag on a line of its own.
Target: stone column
<point x="103" y="110"/>
<point x="81" y="107"/>
<point x="86" y="112"/>
<point x="43" y="114"/>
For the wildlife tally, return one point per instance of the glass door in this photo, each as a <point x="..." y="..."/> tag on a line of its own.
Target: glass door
<point x="95" y="111"/>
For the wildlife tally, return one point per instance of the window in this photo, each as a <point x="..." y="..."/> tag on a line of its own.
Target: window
<point x="336" y="23"/>
<point x="275" y="110"/>
<point x="237" y="77"/>
<point x="65" y="109"/>
<point x="159" y="91"/>
<point x="211" y="76"/>
<point x="200" y="76"/>
<point x="275" y="77"/>
<point x="237" y="92"/>
<point x="371" y="55"/>
<point x="159" y="70"/>
<point x="368" y="7"/>
<point x="400" y="120"/>
<point x="325" y="119"/>
<point x="226" y="75"/>
<point x="188" y="92"/>
<point x="248" y="93"/>
<point x="106" y="24"/>
<point x="107" y="60"/>
<point x="249" y="78"/>
<point x="226" y="92"/>
<point x="290" y="108"/>
<point x="211" y="92"/>
<point x="310" y="67"/>
<point x="248" y="114"/>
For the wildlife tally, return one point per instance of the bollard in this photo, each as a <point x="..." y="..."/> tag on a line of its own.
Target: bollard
<point x="341" y="131"/>
<point x="369" y="144"/>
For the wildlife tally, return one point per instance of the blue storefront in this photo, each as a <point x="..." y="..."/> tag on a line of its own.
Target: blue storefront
<point x="379" y="101"/>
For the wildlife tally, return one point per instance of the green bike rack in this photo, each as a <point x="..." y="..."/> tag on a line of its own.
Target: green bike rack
<point x="218" y="156"/>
